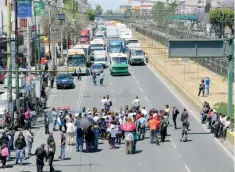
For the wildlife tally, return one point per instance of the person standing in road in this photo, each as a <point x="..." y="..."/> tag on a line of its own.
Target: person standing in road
<point x="62" y="145"/>
<point x="136" y="104"/>
<point x="51" y="81"/>
<point x="207" y="85"/>
<point x="54" y="118"/>
<point x="94" y="78"/>
<point x="46" y="123"/>
<point x="174" y="116"/>
<point x="101" y="77"/>
<point x="79" y="136"/>
<point x="4" y="154"/>
<point x="109" y="102"/>
<point x="29" y="137"/>
<point x="70" y="132"/>
<point x="41" y="154"/>
<point x="51" y="155"/>
<point x="19" y="145"/>
<point x="79" y="73"/>
<point x="201" y="88"/>
<point x="102" y="102"/>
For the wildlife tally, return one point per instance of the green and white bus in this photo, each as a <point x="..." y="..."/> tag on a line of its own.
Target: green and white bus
<point x="118" y="64"/>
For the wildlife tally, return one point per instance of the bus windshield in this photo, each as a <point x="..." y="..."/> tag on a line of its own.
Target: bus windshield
<point x="119" y="60"/>
<point x="97" y="47"/>
<point x="76" y="60"/>
<point x="131" y="42"/>
<point x="138" y="53"/>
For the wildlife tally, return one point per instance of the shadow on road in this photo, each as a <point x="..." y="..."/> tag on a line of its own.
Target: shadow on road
<point x="199" y="133"/>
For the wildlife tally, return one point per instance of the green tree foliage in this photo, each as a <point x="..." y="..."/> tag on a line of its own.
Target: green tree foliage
<point x="109" y="12"/>
<point x="98" y="10"/>
<point x="161" y="12"/>
<point x="220" y="18"/>
<point x="91" y="14"/>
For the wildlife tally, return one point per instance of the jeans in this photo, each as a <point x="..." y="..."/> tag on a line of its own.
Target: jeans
<point x="94" y="81"/>
<point x="96" y="142"/>
<point x="29" y="147"/>
<point x="79" y="144"/>
<point x="101" y="81"/>
<point x="89" y="145"/>
<point x="207" y="89"/>
<point x="112" y="141"/>
<point x="203" y="119"/>
<point x="19" y="154"/>
<point x="54" y="124"/>
<point x="137" y="108"/>
<point x="9" y="153"/>
<point x="62" y="152"/>
<point x="152" y="133"/>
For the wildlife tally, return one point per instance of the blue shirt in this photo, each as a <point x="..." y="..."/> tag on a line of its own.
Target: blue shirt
<point x="207" y="81"/>
<point x="142" y="121"/>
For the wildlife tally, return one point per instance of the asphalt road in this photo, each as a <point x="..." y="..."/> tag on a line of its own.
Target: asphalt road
<point x="201" y="153"/>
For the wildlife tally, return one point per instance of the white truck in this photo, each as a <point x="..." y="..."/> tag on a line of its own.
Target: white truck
<point x="135" y="54"/>
<point x="112" y="32"/>
<point x="100" y="57"/>
<point x="125" y="33"/>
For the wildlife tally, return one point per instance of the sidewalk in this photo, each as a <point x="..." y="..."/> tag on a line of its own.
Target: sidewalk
<point x="186" y="76"/>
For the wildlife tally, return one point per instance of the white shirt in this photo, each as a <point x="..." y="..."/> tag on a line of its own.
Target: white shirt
<point x="122" y="120"/>
<point x="136" y="102"/>
<point x="96" y="118"/>
<point x="102" y="102"/>
<point x="227" y="124"/>
<point x="130" y="115"/>
<point x="102" y="75"/>
<point x="108" y="101"/>
<point x="144" y="111"/>
<point x="70" y="127"/>
<point x="129" y="136"/>
<point x="223" y="120"/>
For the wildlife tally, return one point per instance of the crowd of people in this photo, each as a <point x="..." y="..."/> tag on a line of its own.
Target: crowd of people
<point x="217" y="123"/>
<point x="105" y="125"/>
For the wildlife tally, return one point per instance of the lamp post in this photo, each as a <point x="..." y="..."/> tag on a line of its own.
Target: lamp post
<point x="61" y="18"/>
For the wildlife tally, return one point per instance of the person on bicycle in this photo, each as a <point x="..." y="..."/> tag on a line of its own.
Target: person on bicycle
<point x="136" y="104"/>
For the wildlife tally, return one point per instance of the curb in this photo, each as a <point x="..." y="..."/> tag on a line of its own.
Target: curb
<point x="230" y="134"/>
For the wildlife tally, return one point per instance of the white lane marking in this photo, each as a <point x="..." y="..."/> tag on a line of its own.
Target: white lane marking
<point x="179" y="155"/>
<point x="137" y="82"/>
<point x="188" y="170"/>
<point x="79" y="96"/>
<point x="111" y="83"/>
<point x="139" y="163"/>
<point x="134" y="76"/>
<point x="146" y="99"/>
<point x="191" y="112"/>
<point x="83" y="88"/>
<point x="111" y="90"/>
<point x="141" y="89"/>
<point x="173" y="143"/>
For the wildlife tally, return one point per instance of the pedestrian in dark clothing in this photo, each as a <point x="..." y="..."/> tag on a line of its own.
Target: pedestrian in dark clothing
<point x="201" y="88"/>
<point x="62" y="145"/>
<point x="20" y="143"/>
<point x="51" y="155"/>
<point x="52" y="81"/>
<point x="89" y="139"/>
<point x="103" y="128"/>
<point x="46" y="123"/>
<point x="174" y="116"/>
<point x="41" y="154"/>
<point x="4" y="139"/>
<point x="79" y="73"/>
<point x="22" y="118"/>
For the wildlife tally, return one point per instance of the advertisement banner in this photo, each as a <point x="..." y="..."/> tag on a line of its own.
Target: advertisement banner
<point x="24" y="9"/>
<point x="39" y="8"/>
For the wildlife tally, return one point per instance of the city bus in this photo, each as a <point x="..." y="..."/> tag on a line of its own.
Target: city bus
<point x="118" y="64"/>
<point x="76" y="58"/>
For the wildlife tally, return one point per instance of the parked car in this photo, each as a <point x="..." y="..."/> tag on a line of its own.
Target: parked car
<point x="97" y="68"/>
<point x="64" y="81"/>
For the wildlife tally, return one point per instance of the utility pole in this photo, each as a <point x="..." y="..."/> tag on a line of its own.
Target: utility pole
<point x="9" y="64"/>
<point x="35" y="38"/>
<point x="29" y="50"/>
<point x="49" y="34"/>
<point x="16" y="57"/>
<point x="61" y="41"/>
<point x="230" y="77"/>
<point x="39" y="48"/>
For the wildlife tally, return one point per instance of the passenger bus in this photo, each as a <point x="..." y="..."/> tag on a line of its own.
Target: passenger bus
<point x="96" y="45"/>
<point x="85" y="47"/>
<point x="76" y="59"/>
<point x="118" y="64"/>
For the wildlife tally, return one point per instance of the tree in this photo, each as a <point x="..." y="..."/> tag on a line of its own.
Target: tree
<point x="109" y="12"/>
<point x="98" y="10"/>
<point x="220" y="18"/>
<point x="91" y="14"/>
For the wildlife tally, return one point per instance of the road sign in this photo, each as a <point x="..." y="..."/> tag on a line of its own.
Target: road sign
<point x="180" y="48"/>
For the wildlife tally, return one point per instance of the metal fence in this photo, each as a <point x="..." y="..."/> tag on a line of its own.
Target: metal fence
<point x="163" y="34"/>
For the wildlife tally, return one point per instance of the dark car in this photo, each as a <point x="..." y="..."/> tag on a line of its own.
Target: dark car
<point x="64" y="81"/>
<point x="97" y="68"/>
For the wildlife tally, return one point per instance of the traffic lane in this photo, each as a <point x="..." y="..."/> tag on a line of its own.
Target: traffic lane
<point x="56" y="98"/>
<point x="93" y="94"/>
<point x="125" y="89"/>
<point x="202" y="147"/>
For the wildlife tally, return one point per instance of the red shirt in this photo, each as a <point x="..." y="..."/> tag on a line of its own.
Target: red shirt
<point x="138" y="116"/>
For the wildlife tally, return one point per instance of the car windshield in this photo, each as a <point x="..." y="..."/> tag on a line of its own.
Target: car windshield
<point x="115" y="46"/>
<point x="131" y="41"/>
<point x="96" y="66"/>
<point x="119" y="60"/>
<point x="97" y="47"/>
<point x="76" y="60"/>
<point x="138" y="53"/>
<point x="100" y="59"/>
<point x="64" y="76"/>
<point x="99" y="36"/>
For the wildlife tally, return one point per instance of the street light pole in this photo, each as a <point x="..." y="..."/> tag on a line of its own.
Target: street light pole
<point x="230" y="78"/>
<point x="49" y="34"/>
